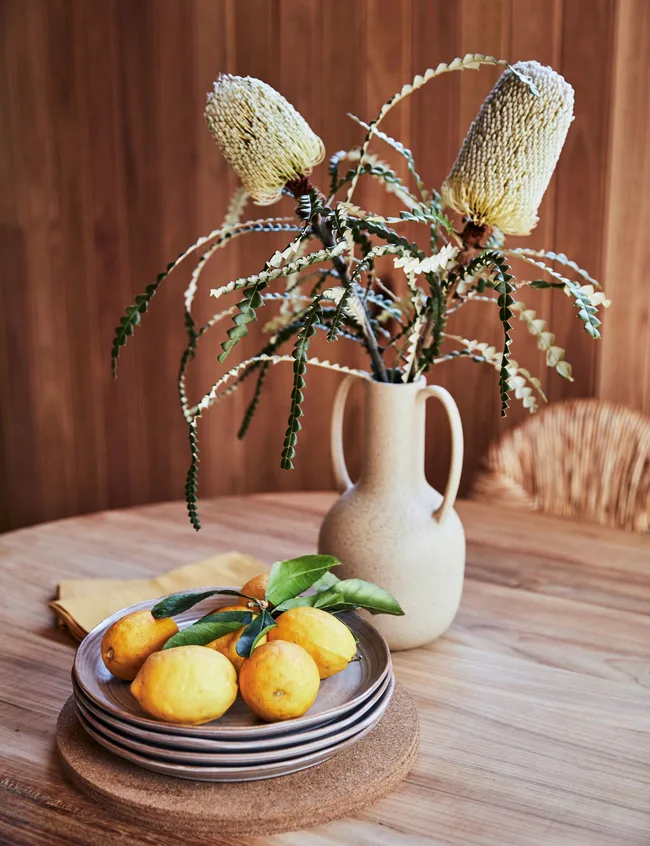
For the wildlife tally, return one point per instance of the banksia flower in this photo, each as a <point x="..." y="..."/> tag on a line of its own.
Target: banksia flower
<point x="266" y="142"/>
<point x="510" y="152"/>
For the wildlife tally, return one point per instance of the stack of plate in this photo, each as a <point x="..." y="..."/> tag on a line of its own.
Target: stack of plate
<point x="238" y="746"/>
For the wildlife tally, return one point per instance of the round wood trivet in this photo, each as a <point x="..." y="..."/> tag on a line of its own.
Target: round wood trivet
<point x="354" y="778"/>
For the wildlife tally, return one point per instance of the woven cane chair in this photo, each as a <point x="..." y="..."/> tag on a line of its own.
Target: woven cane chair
<point x="581" y="459"/>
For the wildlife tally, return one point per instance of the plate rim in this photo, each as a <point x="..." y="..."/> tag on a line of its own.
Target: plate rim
<point x="216" y="730"/>
<point x="191" y="772"/>
<point x="274" y="741"/>
<point x="366" y="720"/>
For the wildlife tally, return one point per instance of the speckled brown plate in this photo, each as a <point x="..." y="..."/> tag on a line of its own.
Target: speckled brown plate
<point x="204" y="744"/>
<point x="235" y="757"/>
<point x="338" y="696"/>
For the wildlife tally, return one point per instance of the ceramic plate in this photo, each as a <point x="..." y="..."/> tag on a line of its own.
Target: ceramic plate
<point x="244" y="759"/>
<point x="338" y="695"/>
<point x="203" y="744"/>
<point x="222" y="774"/>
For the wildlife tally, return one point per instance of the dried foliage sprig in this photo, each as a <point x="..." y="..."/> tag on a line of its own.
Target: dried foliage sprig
<point x="334" y="286"/>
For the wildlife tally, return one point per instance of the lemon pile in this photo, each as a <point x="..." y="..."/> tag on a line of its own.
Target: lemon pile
<point x="192" y="685"/>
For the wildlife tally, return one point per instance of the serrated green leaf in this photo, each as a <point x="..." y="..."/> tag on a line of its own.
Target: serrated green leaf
<point x="428" y="214"/>
<point x="253" y="633"/>
<point x="586" y="310"/>
<point x="252" y="405"/>
<point x="192" y="479"/>
<point x="209" y="628"/>
<point x="288" y="579"/>
<point x="299" y="354"/>
<point x="542" y="283"/>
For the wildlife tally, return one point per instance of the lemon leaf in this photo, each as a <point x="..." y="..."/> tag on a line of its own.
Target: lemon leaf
<point x="295" y="602"/>
<point x="253" y="633"/>
<point x="332" y="599"/>
<point x="179" y="602"/>
<point x="288" y="579"/>
<point x="361" y="594"/>
<point x="327" y="580"/>
<point x="209" y="628"/>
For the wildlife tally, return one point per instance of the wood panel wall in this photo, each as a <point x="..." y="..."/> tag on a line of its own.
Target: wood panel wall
<point x="107" y="171"/>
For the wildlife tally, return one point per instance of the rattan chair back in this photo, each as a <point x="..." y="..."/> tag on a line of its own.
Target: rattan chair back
<point x="581" y="459"/>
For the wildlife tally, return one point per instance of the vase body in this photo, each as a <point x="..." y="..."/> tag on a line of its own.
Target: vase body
<point x="391" y="527"/>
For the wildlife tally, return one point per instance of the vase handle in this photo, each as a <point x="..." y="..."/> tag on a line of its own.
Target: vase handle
<point x="341" y="475"/>
<point x="456" y="465"/>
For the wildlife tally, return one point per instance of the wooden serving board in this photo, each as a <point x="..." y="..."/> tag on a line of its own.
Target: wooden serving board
<point x="336" y="788"/>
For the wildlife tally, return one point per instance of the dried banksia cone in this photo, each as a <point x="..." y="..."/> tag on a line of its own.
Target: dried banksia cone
<point x="510" y="152"/>
<point x="266" y="142"/>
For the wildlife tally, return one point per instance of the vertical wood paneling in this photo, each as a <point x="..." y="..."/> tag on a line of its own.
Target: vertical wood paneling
<point x="586" y="61"/>
<point x="625" y="352"/>
<point x="38" y="215"/>
<point x="145" y="195"/>
<point x="173" y="37"/>
<point x="109" y="269"/>
<point x="81" y="359"/>
<point x="18" y="460"/>
<point x="108" y="172"/>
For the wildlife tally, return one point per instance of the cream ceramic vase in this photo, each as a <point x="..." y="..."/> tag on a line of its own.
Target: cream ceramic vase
<point x="391" y="527"/>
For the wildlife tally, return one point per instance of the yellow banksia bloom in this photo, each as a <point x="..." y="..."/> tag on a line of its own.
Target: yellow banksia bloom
<point x="510" y="152"/>
<point x="266" y="142"/>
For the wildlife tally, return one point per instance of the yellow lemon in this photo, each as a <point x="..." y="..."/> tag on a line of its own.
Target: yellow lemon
<point x="128" y="643"/>
<point x="328" y="640"/>
<point x="227" y="644"/>
<point x="189" y="685"/>
<point x="279" y="681"/>
<point x="255" y="587"/>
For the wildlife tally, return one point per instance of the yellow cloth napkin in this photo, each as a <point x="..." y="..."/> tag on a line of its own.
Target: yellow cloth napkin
<point x="83" y="603"/>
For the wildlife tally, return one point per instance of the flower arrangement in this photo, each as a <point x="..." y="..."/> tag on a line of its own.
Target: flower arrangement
<point x="332" y="283"/>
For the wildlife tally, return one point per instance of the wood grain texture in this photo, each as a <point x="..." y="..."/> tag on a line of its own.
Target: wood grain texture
<point x="625" y="363"/>
<point x="534" y="708"/>
<point x="108" y="172"/>
<point x="587" y="42"/>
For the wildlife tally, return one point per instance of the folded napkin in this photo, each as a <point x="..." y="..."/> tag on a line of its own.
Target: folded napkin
<point x="83" y="603"/>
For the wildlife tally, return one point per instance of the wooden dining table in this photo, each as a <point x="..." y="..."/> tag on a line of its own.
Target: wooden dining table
<point x="534" y="707"/>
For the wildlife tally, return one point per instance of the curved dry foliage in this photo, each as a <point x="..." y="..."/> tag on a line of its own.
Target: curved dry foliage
<point x="328" y="268"/>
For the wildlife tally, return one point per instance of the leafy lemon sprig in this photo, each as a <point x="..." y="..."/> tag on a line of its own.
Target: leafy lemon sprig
<point x="288" y="581"/>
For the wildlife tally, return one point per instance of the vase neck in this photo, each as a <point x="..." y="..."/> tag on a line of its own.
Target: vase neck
<point x="394" y="435"/>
